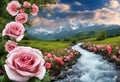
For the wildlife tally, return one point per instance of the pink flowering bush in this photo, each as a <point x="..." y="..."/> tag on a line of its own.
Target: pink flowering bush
<point x="56" y="63"/>
<point x="111" y="53"/>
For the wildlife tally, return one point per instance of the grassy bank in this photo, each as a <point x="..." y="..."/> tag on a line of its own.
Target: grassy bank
<point x="111" y="41"/>
<point x="45" y="45"/>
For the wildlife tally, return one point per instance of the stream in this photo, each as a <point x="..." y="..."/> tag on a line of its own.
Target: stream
<point x="90" y="67"/>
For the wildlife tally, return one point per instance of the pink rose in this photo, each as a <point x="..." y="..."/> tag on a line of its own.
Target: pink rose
<point x="48" y="65"/>
<point x="35" y="10"/>
<point x="21" y="10"/>
<point x="12" y="7"/>
<point x="10" y="45"/>
<point x="21" y="18"/>
<point x="14" y="30"/>
<point x="26" y="4"/>
<point x="22" y="63"/>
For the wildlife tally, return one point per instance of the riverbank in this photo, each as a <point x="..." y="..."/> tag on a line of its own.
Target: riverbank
<point x="110" y="57"/>
<point x="89" y="68"/>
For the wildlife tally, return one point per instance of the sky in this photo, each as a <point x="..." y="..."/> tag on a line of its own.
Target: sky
<point x="83" y="11"/>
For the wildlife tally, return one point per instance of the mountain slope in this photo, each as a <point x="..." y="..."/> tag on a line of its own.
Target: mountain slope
<point x="67" y="31"/>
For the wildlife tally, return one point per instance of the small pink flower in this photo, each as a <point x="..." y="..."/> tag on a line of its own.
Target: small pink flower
<point x="49" y="55"/>
<point x="26" y="4"/>
<point x="71" y="54"/>
<point x="51" y="59"/>
<point x="94" y="49"/>
<point x="35" y="10"/>
<point x="14" y="30"/>
<point x="21" y="10"/>
<point x="119" y="52"/>
<point x="109" y="49"/>
<point x="10" y="45"/>
<point x="22" y="63"/>
<point x="21" y="18"/>
<point x="48" y="65"/>
<point x="57" y="67"/>
<point x="60" y="60"/>
<point x="12" y="7"/>
<point x="68" y="57"/>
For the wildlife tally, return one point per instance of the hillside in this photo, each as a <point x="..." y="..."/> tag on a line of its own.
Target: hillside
<point x="110" y="41"/>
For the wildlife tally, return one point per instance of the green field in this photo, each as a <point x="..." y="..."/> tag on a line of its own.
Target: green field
<point x="111" y="41"/>
<point x="45" y="45"/>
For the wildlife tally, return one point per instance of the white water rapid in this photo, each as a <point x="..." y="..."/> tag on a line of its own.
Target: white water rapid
<point x="90" y="67"/>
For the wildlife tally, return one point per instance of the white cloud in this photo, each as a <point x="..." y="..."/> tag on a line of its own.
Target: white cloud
<point x="38" y="20"/>
<point x="61" y="7"/>
<point x="77" y="3"/>
<point x="114" y="4"/>
<point x="106" y="16"/>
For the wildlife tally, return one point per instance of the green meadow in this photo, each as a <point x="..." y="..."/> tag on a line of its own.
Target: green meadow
<point x="111" y="41"/>
<point x="45" y="45"/>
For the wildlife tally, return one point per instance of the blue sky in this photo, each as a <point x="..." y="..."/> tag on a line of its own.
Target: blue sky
<point x="84" y="11"/>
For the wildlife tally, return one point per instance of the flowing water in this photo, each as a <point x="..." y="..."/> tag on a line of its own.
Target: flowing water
<point x="90" y="67"/>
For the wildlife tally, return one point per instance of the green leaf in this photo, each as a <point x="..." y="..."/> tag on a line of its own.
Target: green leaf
<point x="4" y="78"/>
<point x="1" y="77"/>
<point x="46" y="78"/>
<point x="34" y="79"/>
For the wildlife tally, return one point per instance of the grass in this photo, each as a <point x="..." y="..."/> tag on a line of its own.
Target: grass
<point x="45" y="45"/>
<point x="111" y="41"/>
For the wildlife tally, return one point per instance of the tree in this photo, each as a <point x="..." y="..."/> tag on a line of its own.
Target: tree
<point x="74" y="40"/>
<point x="101" y="36"/>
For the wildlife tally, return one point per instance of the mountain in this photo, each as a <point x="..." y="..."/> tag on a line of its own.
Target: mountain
<point x="68" y="30"/>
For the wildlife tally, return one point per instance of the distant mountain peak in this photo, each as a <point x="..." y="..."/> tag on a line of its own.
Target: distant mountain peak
<point x="70" y="29"/>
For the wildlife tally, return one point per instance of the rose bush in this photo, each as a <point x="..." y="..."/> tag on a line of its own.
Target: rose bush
<point x="24" y="63"/>
<point x="58" y="60"/>
<point x="109" y="52"/>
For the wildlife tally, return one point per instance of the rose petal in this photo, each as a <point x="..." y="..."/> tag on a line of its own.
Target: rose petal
<point x="3" y="32"/>
<point x="14" y="76"/>
<point x="38" y="52"/>
<point x="24" y="73"/>
<point x="19" y="38"/>
<point x="41" y="73"/>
